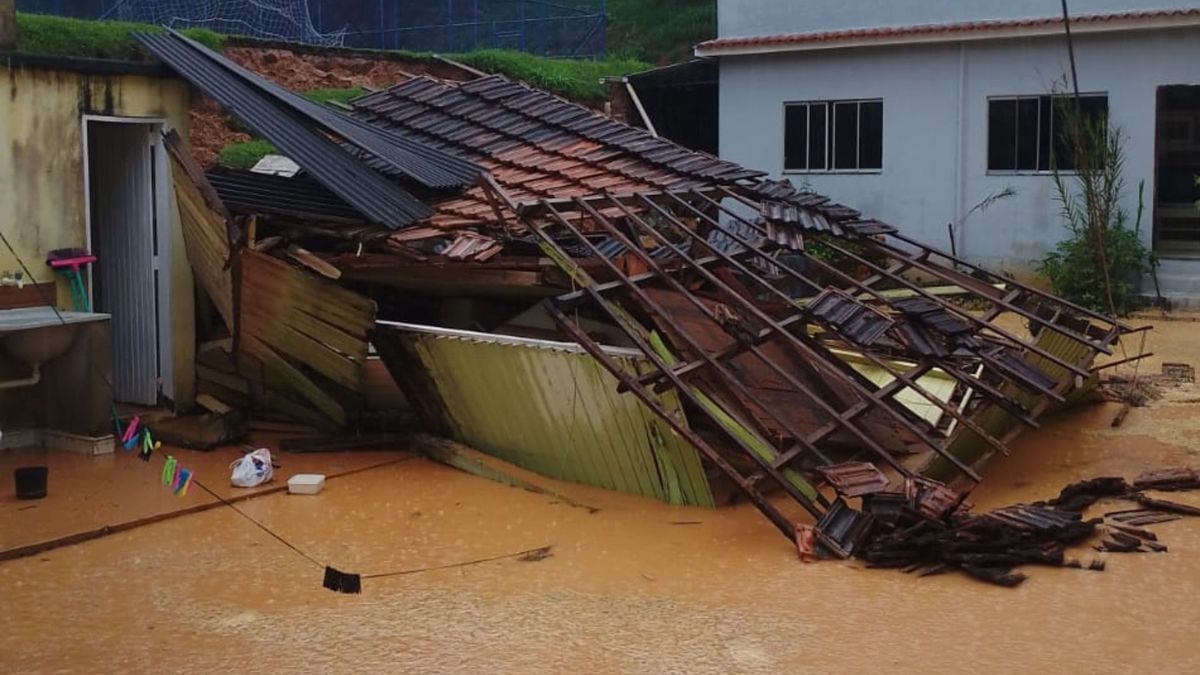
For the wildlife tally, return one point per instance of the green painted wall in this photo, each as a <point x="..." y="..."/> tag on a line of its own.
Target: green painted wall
<point x="550" y="408"/>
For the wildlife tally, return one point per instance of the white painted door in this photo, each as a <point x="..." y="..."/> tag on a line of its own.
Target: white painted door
<point x="123" y="240"/>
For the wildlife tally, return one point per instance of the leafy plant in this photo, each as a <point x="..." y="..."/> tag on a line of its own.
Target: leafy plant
<point x="244" y="155"/>
<point x="1099" y="263"/>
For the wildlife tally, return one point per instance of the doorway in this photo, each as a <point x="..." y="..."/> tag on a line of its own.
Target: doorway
<point x="126" y="227"/>
<point x="1177" y="167"/>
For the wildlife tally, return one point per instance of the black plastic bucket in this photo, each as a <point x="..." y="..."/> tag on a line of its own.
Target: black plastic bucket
<point x="31" y="481"/>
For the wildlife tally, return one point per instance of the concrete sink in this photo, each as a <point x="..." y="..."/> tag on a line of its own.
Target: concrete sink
<point x="36" y="346"/>
<point x="37" y="335"/>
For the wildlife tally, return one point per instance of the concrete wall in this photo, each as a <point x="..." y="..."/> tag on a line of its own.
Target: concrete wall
<point x="935" y="127"/>
<point x="741" y="18"/>
<point x="42" y="204"/>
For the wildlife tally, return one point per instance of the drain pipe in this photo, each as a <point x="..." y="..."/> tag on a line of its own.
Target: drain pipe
<point x="27" y="382"/>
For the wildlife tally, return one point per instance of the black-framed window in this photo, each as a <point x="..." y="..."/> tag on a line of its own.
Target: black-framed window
<point x="1026" y="133"/>
<point x="833" y="136"/>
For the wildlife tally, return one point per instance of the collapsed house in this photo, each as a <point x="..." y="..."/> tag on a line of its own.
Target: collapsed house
<point x="598" y="304"/>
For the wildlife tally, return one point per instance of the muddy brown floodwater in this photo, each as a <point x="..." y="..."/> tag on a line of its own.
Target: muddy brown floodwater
<point x="637" y="587"/>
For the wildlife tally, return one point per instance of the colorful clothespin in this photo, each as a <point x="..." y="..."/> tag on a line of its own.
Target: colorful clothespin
<point x="132" y="435"/>
<point x="129" y="430"/>
<point x="168" y="472"/>
<point x="185" y="479"/>
<point x="148" y="445"/>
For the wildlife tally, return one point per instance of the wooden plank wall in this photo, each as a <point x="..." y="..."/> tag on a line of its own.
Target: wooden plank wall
<point x="302" y="340"/>
<point x="205" y="229"/>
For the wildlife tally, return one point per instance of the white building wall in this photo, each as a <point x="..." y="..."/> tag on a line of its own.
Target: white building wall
<point x="741" y="18"/>
<point x="935" y="127"/>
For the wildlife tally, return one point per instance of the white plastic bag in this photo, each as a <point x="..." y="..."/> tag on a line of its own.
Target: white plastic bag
<point x="252" y="469"/>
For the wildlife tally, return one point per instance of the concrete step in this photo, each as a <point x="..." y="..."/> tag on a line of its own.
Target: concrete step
<point x="1178" y="282"/>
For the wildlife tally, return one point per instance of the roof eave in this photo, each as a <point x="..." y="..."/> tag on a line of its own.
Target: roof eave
<point x="714" y="48"/>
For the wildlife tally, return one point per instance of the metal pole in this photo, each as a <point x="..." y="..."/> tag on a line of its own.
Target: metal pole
<point x="382" y="23"/>
<point x="521" y="21"/>
<point x="542" y="27"/>
<point x="475" y="21"/>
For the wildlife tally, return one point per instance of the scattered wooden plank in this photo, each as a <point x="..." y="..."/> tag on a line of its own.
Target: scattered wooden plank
<point x="236" y="399"/>
<point x="312" y="262"/>
<point x="212" y="404"/>
<point x="228" y="380"/>
<point x="267" y="243"/>
<point x="1167" y="505"/>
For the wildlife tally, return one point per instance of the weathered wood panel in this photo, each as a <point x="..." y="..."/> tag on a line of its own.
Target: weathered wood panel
<point x="302" y="340"/>
<point x="205" y="229"/>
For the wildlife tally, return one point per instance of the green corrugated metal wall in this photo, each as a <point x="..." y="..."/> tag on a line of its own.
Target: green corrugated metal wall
<point x="552" y="409"/>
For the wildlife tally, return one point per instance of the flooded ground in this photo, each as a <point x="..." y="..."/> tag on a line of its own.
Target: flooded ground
<point x="633" y="587"/>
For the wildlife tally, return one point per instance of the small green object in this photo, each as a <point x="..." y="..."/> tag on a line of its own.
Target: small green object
<point x="168" y="474"/>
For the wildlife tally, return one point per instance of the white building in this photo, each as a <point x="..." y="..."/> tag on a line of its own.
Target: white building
<point x="916" y="110"/>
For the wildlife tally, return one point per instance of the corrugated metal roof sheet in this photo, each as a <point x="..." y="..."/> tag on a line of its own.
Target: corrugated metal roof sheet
<point x="261" y="193"/>
<point x="428" y="167"/>
<point x="550" y="408"/>
<point x="258" y="104"/>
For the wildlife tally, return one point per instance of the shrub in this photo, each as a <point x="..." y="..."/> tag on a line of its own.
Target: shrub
<point x="1099" y="264"/>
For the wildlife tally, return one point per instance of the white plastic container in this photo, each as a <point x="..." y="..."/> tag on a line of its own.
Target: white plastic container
<point x="306" y="483"/>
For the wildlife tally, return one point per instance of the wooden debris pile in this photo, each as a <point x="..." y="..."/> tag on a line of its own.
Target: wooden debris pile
<point x="901" y="531"/>
<point x="796" y="353"/>
<point x="797" y="334"/>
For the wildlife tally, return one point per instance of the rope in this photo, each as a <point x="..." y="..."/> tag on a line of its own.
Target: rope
<point x="541" y="550"/>
<point x="262" y="527"/>
<point x="275" y="535"/>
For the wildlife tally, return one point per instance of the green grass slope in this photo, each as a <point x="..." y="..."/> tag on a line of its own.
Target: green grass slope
<point x="659" y="31"/>
<point x="61" y="36"/>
